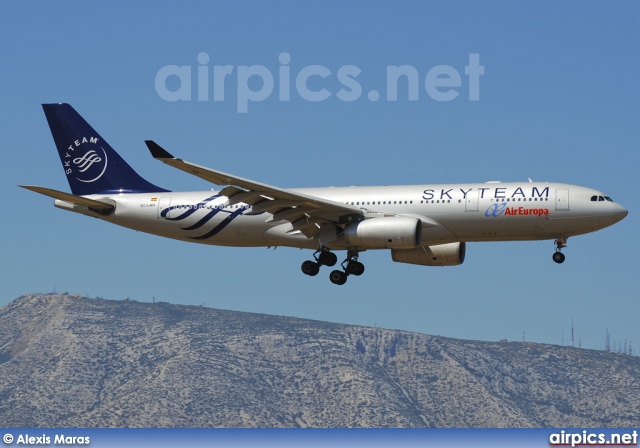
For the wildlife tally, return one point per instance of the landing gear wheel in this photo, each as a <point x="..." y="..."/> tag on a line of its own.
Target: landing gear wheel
<point x="338" y="277"/>
<point x="354" y="268"/>
<point x="561" y="243"/>
<point x="310" y="268"/>
<point x="327" y="258"/>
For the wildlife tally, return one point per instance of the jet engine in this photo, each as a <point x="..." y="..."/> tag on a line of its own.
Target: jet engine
<point x="451" y="254"/>
<point x="385" y="233"/>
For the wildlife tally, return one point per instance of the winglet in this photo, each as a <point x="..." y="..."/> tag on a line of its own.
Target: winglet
<point x="157" y="151"/>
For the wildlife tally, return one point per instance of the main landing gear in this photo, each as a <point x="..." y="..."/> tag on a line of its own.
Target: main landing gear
<point x="322" y="257"/>
<point x="350" y="266"/>
<point x="558" y="256"/>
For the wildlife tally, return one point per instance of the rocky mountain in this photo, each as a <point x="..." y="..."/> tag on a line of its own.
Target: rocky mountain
<point x="69" y="361"/>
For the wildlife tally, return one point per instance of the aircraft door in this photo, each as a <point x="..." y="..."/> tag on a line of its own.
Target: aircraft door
<point x="164" y="208"/>
<point x="562" y="200"/>
<point x="471" y="201"/>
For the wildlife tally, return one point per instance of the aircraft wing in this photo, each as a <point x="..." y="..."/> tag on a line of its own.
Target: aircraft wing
<point x="303" y="211"/>
<point x="72" y="198"/>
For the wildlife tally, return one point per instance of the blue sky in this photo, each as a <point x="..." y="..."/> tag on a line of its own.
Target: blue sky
<point x="558" y="102"/>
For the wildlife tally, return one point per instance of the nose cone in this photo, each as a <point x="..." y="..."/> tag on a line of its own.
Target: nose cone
<point x="619" y="213"/>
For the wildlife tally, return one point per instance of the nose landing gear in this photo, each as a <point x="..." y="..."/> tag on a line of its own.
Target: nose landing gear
<point x="558" y="256"/>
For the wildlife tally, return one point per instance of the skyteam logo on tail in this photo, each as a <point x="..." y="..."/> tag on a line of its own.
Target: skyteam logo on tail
<point x="85" y="160"/>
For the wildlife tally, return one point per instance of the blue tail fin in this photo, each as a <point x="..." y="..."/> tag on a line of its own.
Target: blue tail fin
<point x="91" y="165"/>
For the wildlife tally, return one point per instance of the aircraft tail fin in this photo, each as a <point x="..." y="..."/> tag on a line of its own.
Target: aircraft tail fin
<point x="92" y="166"/>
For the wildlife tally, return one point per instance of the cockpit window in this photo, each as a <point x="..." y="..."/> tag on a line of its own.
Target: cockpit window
<point x="601" y="198"/>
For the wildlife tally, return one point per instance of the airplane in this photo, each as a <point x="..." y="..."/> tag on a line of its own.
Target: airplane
<point x="426" y="225"/>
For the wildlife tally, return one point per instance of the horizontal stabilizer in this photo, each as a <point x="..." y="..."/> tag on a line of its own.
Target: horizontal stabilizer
<point x="105" y="204"/>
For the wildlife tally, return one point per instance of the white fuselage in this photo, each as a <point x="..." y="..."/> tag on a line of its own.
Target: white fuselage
<point x="449" y="213"/>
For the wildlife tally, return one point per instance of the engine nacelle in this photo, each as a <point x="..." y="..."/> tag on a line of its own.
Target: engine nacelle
<point x="451" y="254"/>
<point x="385" y="233"/>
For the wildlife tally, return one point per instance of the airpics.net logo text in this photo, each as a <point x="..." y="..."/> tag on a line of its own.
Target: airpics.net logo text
<point x="255" y="83"/>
